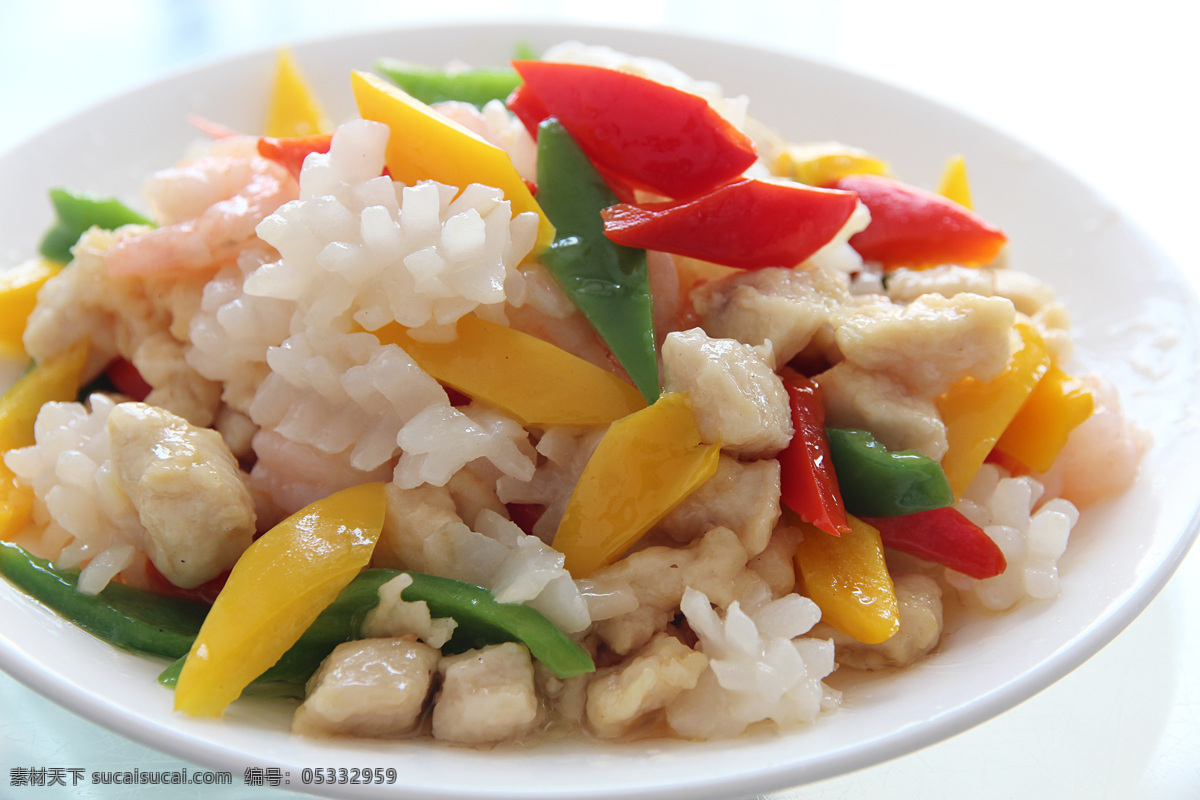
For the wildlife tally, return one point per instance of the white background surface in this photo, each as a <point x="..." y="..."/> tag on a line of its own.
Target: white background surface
<point x="1109" y="95"/>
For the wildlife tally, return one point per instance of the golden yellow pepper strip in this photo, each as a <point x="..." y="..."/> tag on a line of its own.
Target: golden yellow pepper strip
<point x="530" y="379"/>
<point x="1057" y="405"/>
<point x="15" y="507"/>
<point x="293" y="109"/>
<point x="54" y="380"/>
<point x="954" y="184"/>
<point x="18" y="294"/>
<point x="643" y="467"/>
<point x="822" y="163"/>
<point x="275" y="591"/>
<point x="976" y="413"/>
<point x="426" y="145"/>
<point x="847" y="578"/>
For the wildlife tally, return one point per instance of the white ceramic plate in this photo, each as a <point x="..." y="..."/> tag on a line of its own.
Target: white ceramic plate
<point x="1135" y="317"/>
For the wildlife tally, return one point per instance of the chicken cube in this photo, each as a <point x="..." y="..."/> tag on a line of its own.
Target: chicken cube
<point x="920" y="612"/>
<point x="188" y="492"/>
<point x="368" y="687"/>
<point x="736" y="396"/>
<point x="931" y="342"/>
<point x="487" y="695"/>
<point x="619" y="697"/>
<point x="899" y="419"/>
<point x="783" y="306"/>
<point x="412" y="517"/>
<point x="658" y="577"/>
<point x="742" y="496"/>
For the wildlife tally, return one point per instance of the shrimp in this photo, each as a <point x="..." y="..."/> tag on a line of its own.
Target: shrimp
<point x="209" y="209"/>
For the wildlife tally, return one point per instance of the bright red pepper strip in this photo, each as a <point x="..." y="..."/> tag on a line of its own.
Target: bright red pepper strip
<point x="808" y="483"/>
<point x="911" y="227"/>
<point x="943" y="536"/>
<point x="656" y="137"/>
<point x="129" y="382"/>
<point x="748" y="224"/>
<point x="291" y="151"/>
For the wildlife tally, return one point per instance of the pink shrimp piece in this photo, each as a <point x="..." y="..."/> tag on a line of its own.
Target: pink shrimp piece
<point x="209" y="209"/>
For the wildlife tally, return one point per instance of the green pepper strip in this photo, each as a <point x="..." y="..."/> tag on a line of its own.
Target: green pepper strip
<point x="475" y="86"/>
<point x="124" y="616"/>
<point x="481" y="620"/>
<point x="78" y="211"/>
<point x="876" y="482"/>
<point x="609" y="283"/>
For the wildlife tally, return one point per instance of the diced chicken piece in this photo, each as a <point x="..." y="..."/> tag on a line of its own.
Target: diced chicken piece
<point x="177" y="387"/>
<point x="920" y="612"/>
<point x="368" y="687"/>
<point x="931" y="342"/>
<point x="742" y="496"/>
<point x="900" y="420"/>
<point x="658" y="576"/>
<point x="783" y="306"/>
<point x="618" y="698"/>
<point x="412" y="516"/>
<point x="487" y="695"/>
<point x="394" y="616"/>
<point x="83" y="302"/>
<point x="776" y="563"/>
<point x="906" y="285"/>
<point x="1029" y="295"/>
<point x="473" y="495"/>
<point x="189" y="494"/>
<point x="237" y="430"/>
<point x="120" y="317"/>
<point x="1053" y="322"/>
<point x="565" y="452"/>
<point x="566" y="697"/>
<point x="736" y="396"/>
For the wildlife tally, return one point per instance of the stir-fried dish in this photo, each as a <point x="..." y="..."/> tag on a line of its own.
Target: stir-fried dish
<point x="562" y="394"/>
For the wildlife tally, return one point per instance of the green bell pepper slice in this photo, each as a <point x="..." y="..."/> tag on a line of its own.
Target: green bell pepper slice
<point x="78" y="211"/>
<point x="481" y="621"/>
<point x="476" y="86"/>
<point x="124" y="616"/>
<point x="877" y="482"/>
<point x="609" y="283"/>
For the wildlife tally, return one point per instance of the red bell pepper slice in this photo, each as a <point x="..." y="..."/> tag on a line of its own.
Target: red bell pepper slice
<point x="127" y="380"/>
<point x="655" y="137"/>
<point x="291" y="151"/>
<point x="526" y="106"/>
<point x="943" y="536"/>
<point x="748" y="224"/>
<point x="808" y="484"/>
<point x="911" y="227"/>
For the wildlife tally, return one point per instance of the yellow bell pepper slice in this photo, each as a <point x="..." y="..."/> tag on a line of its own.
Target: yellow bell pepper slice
<point x="529" y="379"/>
<point x="1056" y="406"/>
<point x="954" y="184"/>
<point x="847" y="578"/>
<point x="293" y="109"/>
<point x="426" y="145"/>
<point x="643" y="467"/>
<point x="15" y="508"/>
<point x="54" y="380"/>
<point x="822" y="163"/>
<point x="18" y="295"/>
<point x="277" y="588"/>
<point x="976" y="413"/>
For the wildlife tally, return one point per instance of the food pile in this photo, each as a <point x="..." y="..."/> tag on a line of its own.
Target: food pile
<point x="565" y="394"/>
